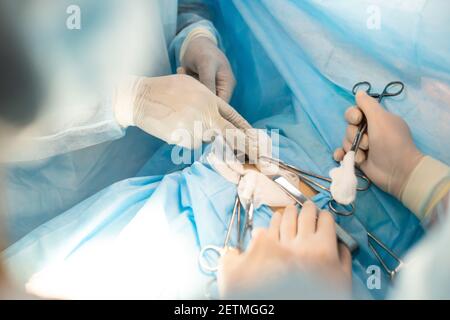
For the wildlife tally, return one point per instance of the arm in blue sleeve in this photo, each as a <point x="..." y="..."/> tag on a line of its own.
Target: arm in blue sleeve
<point x="192" y="11"/>
<point x="192" y="14"/>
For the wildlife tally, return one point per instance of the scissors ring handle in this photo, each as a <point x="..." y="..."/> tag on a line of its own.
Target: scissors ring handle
<point x="203" y="261"/>
<point x="345" y="213"/>
<point x="393" y="89"/>
<point x="360" y="84"/>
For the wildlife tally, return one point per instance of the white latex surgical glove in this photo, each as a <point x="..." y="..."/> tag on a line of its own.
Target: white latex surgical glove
<point x="387" y="155"/>
<point x="202" y="59"/>
<point x="304" y="243"/>
<point x="179" y="110"/>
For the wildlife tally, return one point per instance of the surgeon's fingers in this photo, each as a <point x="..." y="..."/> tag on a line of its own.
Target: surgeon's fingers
<point x="353" y="115"/>
<point x="230" y="252"/>
<point x="228" y="258"/>
<point x="258" y="242"/>
<point x="183" y="70"/>
<point x="228" y="266"/>
<point x="288" y="226"/>
<point x="370" y="106"/>
<point x="244" y="141"/>
<point x="339" y="154"/>
<point x="275" y="223"/>
<point x="225" y="82"/>
<point x="307" y="220"/>
<point x="326" y="227"/>
<point x="235" y="137"/>
<point x="346" y="258"/>
<point x="360" y="155"/>
<point x="207" y="76"/>
<point x="231" y="115"/>
<point x="350" y="134"/>
<point x="346" y="145"/>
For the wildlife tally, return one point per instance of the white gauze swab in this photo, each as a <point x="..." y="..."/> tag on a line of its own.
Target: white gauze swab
<point x="223" y="160"/>
<point x="252" y="185"/>
<point x="344" y="182"/>
<point x="262" y="190"/>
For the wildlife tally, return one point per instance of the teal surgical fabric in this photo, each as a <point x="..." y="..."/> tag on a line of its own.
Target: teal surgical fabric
<point x="143" y="235"/>
<point x="295" y="63"/>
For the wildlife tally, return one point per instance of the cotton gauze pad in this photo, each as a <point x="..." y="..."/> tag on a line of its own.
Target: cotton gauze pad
<point x="255" y="186"/>
<point x="223" y="160"/>
<point x="344" y="182"/>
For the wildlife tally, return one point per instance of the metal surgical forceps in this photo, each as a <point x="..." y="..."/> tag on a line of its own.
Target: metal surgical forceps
<point x="249" y="213"/>
<point x="308" y="178"/>
<point x="219" y="251"/>
<point x="391" y="272"/>
<point x="392" y="89"/>
<point x="371" y="238"/>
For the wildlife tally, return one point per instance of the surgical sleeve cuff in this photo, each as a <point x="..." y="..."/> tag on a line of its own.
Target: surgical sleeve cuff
<point x="428" y="183"/>
<point x="123" y="101"/>
<point x="199" y="28"/>
<point x="194" y="34"/>
<point x="101" y="127"/>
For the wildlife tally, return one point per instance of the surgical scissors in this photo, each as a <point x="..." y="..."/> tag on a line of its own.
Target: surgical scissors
<point x="391" y="272"/>
<point x="392" y="89"/>
<point x="219" y="251"/>
<point x="249" y="213"/>
<point x="308" y="178"/>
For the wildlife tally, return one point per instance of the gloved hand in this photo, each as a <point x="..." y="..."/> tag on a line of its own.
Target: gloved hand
<point x="387" y="155"/>
<point x="177" y="109"/>
<point x="304" y="243"/>
<point x="206" y="62"/>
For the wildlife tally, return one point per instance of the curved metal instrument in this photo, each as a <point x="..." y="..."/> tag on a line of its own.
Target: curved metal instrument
<point x="310" y="178"/>
<point x="206" y="251"/>
<point x="392" y="89"/>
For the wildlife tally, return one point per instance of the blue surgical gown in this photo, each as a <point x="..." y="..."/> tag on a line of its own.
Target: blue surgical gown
<point x="78" y="147"/>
